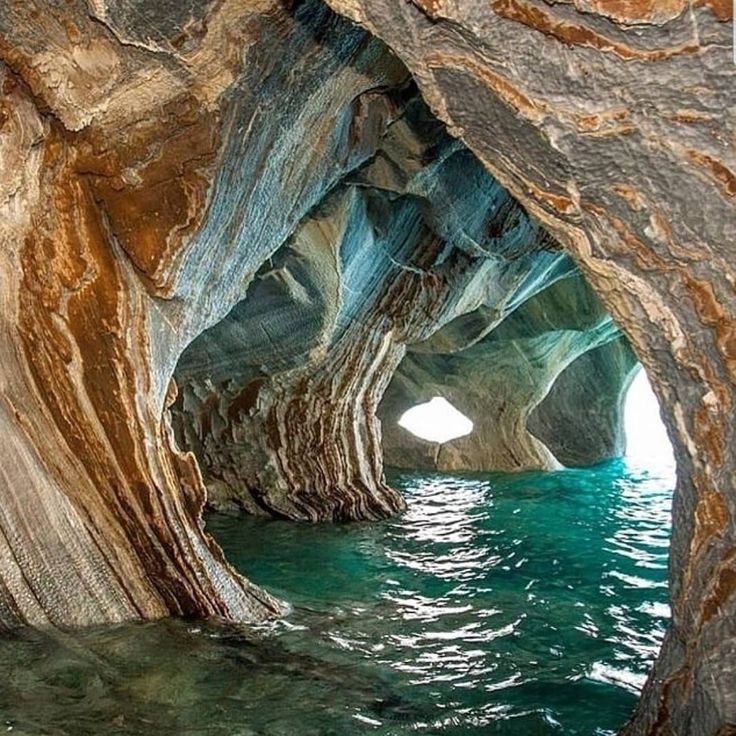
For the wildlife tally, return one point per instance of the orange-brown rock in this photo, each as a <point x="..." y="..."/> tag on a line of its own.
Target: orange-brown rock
<point x="643" y="248"/>
<point x="138" y="149"/>
<point x="155" y="158"/>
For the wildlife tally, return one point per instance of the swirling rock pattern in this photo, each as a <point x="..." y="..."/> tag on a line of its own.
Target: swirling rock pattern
<point x="154" y="164"/>
<point x="279" y="400"/>
<point x="611" y="123"/>
<point x="156" y="156"/>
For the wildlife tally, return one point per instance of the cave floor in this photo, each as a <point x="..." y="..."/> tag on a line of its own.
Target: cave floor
<point x="531" y="603"/>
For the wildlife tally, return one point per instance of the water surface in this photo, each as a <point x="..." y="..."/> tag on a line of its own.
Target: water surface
<point x="517" y="605"/>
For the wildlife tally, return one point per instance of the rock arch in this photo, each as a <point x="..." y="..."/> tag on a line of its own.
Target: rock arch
<point x="604" y="119"/>
<point x="418" y="236"/>
<point x="155" y="163"/>
<point x="599" y="381"/>
<point x="502" y="382"/>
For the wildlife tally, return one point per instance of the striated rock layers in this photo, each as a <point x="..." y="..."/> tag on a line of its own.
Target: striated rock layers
<point x="264" y="184"/>
<point x="612" y="123"/>
<point x="153" y="162"/>
<point x="278" y="401"/>
<point x="253" y="200"/>
<point x="581" y="419"/>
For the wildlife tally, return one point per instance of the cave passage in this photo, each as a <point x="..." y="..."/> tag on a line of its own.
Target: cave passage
<point x="504" y="602"/>
<point x="417" y="284"/>
<point x="239" y="241"/>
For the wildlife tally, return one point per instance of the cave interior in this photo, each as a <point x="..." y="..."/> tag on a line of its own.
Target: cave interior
<point x="242" y="240"/>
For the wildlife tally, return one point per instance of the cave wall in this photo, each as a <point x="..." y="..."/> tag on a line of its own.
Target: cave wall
<point x="153" y="165"/>
<point x="155" y="158"/>
<point x="610" y="122"/>
<point x="160" y="158"/>
<point x="581" y="419"/>
<point x="499" y="381"/>
<point x="279" y="399"/>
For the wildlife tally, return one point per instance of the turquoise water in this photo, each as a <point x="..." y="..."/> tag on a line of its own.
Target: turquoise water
<point x="497" y="604"/>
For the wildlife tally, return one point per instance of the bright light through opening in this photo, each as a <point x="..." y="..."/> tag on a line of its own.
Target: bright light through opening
<point x="647" y="443"/>
<point x="436" y="421"/>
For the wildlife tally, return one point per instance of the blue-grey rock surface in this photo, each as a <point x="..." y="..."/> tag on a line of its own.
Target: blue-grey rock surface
<point x="419" y="246"/>
<point x="255" y="193"/>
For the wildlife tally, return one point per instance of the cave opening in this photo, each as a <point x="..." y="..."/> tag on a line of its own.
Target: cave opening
<point x="647" y="444"/>
<point x="436" y="420"/>
<point x="244" y="240"/>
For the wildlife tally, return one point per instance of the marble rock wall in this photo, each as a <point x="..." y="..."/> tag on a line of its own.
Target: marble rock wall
<point x="162" y="161"/>
<point x="612" y="123"/>
<point x="154" y="157"/>
<point x="513" y="385"/>
<point x="279" y="400"/>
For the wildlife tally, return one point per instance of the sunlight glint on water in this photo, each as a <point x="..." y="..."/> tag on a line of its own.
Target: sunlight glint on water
<point x="520" y="605"/>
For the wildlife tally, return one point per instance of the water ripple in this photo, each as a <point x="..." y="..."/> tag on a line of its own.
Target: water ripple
<point x="497" y="604"/>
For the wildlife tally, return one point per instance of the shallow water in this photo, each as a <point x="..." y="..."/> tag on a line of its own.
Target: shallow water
<point x="497" y="604"/>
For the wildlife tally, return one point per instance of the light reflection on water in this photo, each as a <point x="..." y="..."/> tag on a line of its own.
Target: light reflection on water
<point x="497" y="604"/>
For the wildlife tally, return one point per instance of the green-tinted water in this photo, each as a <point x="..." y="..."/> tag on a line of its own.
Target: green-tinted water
<point x="497" y="604"/>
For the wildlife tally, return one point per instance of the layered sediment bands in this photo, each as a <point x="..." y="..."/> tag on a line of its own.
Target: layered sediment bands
<point x="610" y="123"/>
<point x="498" y="382"/>
<point x="581" y="420"/>
<point x="151" y="167"/>
<point x="279" y="400"/>
<point x="155" y="158"/>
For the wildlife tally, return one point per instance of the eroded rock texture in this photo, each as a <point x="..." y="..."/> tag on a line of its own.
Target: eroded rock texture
<point x="180" y="168"/>
<point x="154" y="160"/>
<point x="279" y="400"/>
<point x="612" y="123"/>
<point x="581" y="419"/>
<point x="262" y="174"/>
<point x="500" y="382"/>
